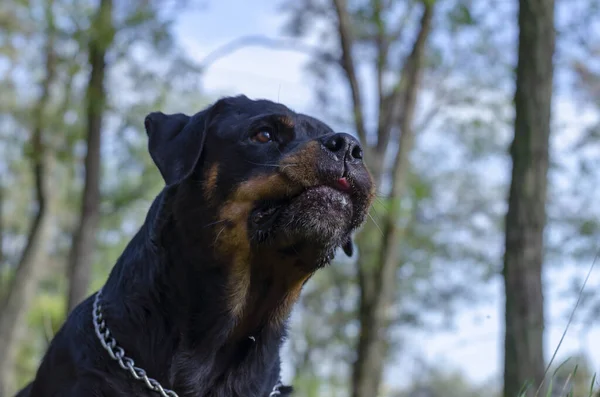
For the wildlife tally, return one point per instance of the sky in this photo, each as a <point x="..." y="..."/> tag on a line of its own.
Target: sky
<point x="474" y="345"/>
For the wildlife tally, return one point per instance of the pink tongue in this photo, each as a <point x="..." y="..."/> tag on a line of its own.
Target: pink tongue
<point x="343" y="184"/>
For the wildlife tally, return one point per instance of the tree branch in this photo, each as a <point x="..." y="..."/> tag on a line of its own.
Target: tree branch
<point x="347" y="63"/>
<point x="22" y="288"/>
<point x="393" y="104"/>
<point x="413" y="72"/>
<point x="384" y="125"/>
<point x="2" y="232"/>
<point x="382" y="43"/>
<point x="80" y="255"/>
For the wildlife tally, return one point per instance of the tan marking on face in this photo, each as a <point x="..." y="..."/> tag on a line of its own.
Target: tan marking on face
<point x="232" y="242"/>
<point x="301" y="167"/>
<point x="297" y="172"/>
<point x="282" y="312"/>
<point x="239" y="287"/>
<point x="210" y="184"/>
<point x="288" y="121"/>
<point x="263" y="187"/>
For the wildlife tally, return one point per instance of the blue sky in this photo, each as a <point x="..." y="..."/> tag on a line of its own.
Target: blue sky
<point x="475" y="344"/>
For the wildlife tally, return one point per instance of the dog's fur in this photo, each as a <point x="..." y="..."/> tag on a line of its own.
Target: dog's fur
<point x="201" y="295"/>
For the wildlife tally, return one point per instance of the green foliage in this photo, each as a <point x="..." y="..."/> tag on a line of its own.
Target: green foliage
<point x="44" y="320"/>
<point x="573" y="377"/>
<point x="130" y="179"/>
<point x="448" y="216"/>
<point x="451" y="215"/>
<point x="309" y="386"/>
<point x="461" y="16"/>
<point x="438" y="382"/>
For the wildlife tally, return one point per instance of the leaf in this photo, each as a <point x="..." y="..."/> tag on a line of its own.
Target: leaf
<point x="588" y="228"/>
<point x="461" y="16"/>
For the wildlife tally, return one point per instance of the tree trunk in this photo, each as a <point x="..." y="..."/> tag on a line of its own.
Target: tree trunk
<point x="82" y="249"/>
<point x="377" y="280"/>
<point x="526" y="216"/>
<point x="1" y="238"/>
<point x="22" y="289"/>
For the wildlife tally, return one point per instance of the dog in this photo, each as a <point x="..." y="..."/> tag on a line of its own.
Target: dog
<point x="257" y="198"/>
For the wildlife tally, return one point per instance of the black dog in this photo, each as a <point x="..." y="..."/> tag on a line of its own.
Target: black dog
<point x="257" y="198"/>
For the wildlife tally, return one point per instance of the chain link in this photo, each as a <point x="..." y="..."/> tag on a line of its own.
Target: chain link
<point x="117" y="353"/>
<point x="276" y="391"/>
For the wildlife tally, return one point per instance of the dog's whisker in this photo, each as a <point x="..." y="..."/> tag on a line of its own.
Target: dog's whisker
<point x="273" y="165"/>
<point x="380" y="202"/>
<point x="295" y="250"/>
<point x="263" y="164"/>
<point x="219" y="234"/>
<point x="375" y="211"/>
<point x="215" y="223"/>
<point x="376" y="225"/>
<point x="283" y="167"/>
<point x="279" y="150"/>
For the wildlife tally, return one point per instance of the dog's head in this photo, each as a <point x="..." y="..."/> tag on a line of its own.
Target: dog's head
<point x="274" y="182"/>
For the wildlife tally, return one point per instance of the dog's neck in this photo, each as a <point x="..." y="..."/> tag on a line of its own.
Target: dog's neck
<point x="179" y="291"/>
<point x="252" y="293"/>
<point x="255" y="287"/>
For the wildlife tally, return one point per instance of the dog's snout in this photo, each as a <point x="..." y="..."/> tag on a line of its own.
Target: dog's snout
<point x="344" y="146"/>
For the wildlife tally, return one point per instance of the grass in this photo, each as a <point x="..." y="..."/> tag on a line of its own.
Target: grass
<point x="566" y="385"/>
<point x="567" y="388"/>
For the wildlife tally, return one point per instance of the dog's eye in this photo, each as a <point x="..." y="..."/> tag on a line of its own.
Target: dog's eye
<point x="263" y="136"/>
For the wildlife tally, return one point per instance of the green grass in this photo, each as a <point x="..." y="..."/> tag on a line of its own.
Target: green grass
<point x="568" y="387"/>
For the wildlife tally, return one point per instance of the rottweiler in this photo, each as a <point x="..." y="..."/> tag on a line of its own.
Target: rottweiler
<point x="256" y="199"/>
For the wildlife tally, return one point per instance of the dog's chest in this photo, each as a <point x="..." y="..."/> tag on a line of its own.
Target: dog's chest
<point x="248" y="370"/>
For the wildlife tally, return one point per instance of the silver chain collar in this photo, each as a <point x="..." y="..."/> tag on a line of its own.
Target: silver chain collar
<point x="117" y="353"/>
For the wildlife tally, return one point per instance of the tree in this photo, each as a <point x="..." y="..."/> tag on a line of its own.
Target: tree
<point x="1" y="234"/>
<point x="116" y="29"/>
<point x="27" y="274"/>
<point x="378" y="262"/>
<point x="101" y="36"/>
<point x="142" y="32"/>
<point x="379" y="51"/>
<point x="377" y="280"/>
<point x="524" y="363"/>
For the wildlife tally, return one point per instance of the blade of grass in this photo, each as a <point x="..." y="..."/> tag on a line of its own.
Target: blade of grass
<point x="549" y="392"/>
<point x="592" y="386"/>
<point x="587" y="277"/>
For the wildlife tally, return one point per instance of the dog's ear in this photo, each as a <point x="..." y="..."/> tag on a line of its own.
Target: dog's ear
<point x="348" y="247"/>
<point x="175" y="143"/>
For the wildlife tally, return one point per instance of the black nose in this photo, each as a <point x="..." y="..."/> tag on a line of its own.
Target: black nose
<point x="344" y="145"/>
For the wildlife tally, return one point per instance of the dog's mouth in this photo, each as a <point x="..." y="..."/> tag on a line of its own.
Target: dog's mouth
<point x="318" y="218"/>
<point x="266" y="213"/>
